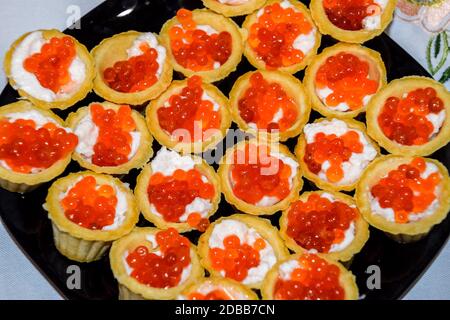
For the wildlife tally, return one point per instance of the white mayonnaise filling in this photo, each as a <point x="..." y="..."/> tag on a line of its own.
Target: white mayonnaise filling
<point x="374" y="21"/>
<point x="286" y="268"/>
<point x="436" y="119"/>
<point x="207" y="97"/>
<point x="388" y="213"/>
<point x="343" y="106"/>
<point x="87" y="133"/>
<point x="246" y="235"/>
<point x="233" y="2"/>
<point x="152" y="42"/>
<point x="29" y="83"/>
<point x="352" y="168"/>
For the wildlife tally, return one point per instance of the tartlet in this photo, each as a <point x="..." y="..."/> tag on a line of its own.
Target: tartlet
<point x="88" y="211"/>
<point x="293" y="279"/>
<point x="216" y="288"/>
<point x="270" y="103"/>
<point x="233" y="8"/>
<point x="346" y="94"/>
<point x="333" y="153"/>
<point x="326" y="222"/>
<point x="241" y="247"/>
<point x="333" y="20"/>
<point x="258" y="177"/>
<point x="190" y="117"/>
<point x="131" y="68"/>
<point x="44" y="149"/>
<point x="299" y="37"/>
<point x="404" y="196"/>
<point x="153" y="264"/>
<point x="30" y="65"/>
<point x="410" y="116"/>
<point x="176" y="191"/>
<point x="219" y="38"/>
<point x="113" y="139"/>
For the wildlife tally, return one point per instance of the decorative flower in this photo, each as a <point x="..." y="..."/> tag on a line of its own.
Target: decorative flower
<point x="432" y="15"/>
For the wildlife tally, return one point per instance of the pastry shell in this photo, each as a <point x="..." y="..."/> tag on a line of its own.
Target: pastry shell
<point x="293" y="87"/>
<point x="361" y="229"/>
<point x="114" y="49"/>
<point x="377" y="70"/>
<point x="188" y="147"/>
<point x="24" y="182"/>
<point x="129" y="287"/>
<point x="234" y="10"/>
<point x="63" y="103"/>
<point x="264" y="229"/>
<point x="326" y="27"/>
<point x="258" y="63"/>
<point x="79" y="243"/>
<point x="144" y="151"/>
<point x="410" y="231"/>
<point x="144" y="204"/>
<point x="230" y="286"/>
<point x="224" y="170"/>
<point x="397" y="88"/>
<point x="219" y="23"/>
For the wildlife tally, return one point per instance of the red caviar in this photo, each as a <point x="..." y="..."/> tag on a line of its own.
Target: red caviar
<point x="334" y="149"/>
<point x="216" y="294"/>
<point x="404" y="119"/>
<point x="349" y="14"/>
<point x="23" y="146"/>
<point x="236" y="258"/>
<point x="272" y="36"/>
<point x="171" y="194"/>
<point x="347" y="76"/>
<point x="317" y="223"/>
<point x="51" y="64"/>
<point x="194" y="48"/>
<point x="90" y="205"/>
<point x="135" y="74"/>
<point x="263" y="100"/>
<point x="316" y="279"/>
<point x="405" y="191"/>
<point x="161" y="270"/>
<point x="114" y="140"/>
<point x="189" y="117"/>
<point x="255" y="174"/>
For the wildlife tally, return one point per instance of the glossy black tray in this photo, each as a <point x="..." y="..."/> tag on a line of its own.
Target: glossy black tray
<point x="401" y="265"/>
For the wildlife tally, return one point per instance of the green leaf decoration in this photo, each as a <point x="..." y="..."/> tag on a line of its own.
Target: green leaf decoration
<point x="445" y="76"/>
<point x="437" y="45"/>
<point x="444" y="38"/>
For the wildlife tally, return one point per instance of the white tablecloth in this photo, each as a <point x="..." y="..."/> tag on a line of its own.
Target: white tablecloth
<point x="18" y="278"/>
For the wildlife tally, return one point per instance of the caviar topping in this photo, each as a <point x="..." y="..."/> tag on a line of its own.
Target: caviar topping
<point x="89" y="204"/>
<point x="190" y="115"/>
<point x="413" y="119"/>
<point x="351" y="14"/>
<point x="161" y="267"/>
<point x="216" y="294"/>
<point x="318" y="222"/>
<point x="198" y="47"/>
<point x="267" y="105"/>
<point x="25" y="146"/>
<point x="313" y="279"/>
<point x="407" y="190"/>
<point x="273" y="37"/>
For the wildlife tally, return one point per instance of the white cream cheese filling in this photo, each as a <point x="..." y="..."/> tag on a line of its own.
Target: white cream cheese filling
<point x="323" y="94"/>
<point x="437" y="120"/>
<point x="373" y="22"/>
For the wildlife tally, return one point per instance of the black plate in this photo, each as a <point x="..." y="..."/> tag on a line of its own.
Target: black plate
<point x="23" y="216"/>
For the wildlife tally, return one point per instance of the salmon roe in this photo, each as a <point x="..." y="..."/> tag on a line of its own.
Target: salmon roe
<point x="335" y="150"/>
<point x="272" y="36"/>
<point x="171" y="194"/>
<point x="189" y="116"/>
<point x="316" y="279"/>
<point x="237" y="258"/>
<point x="114" y="140"/>
<point x="90" y="205"/>
<point x="162" y="270"/>
<point x="263" y="100"/>
<point x="318" y="223"/>
<point x="24" y="146"/>
<point x="195" y="49"/>
<point x="135" y="74"/>
<point x="255" y="174"/>
<point x="348" y="77"/>
<point x="405" y="191"/>
<point x="349" y="14"/>
<point x="216" y="294"/>
<point x="51" y="64"/>
<point x="405" y="121"/>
